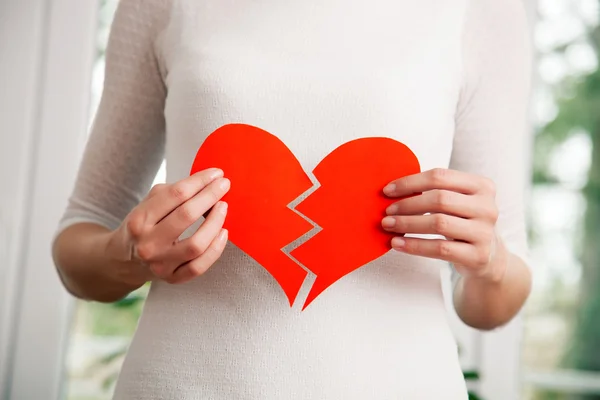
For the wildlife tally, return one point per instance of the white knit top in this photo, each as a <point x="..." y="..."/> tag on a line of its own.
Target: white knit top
<point x="448" y="79"/>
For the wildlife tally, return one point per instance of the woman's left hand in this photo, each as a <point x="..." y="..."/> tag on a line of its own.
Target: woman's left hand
<point x="457" y="205"/>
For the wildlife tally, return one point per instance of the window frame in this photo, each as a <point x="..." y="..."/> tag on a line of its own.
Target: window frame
<point x="60" y="47"/>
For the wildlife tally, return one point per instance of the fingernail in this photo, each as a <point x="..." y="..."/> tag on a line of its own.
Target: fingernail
<point x="222" y="207"/>
<point x="215" y="173"/>
<point x="223" y="234"/>
<point x="391" y="210"/>
<point x="398" y="243"/>
<point x="224" y="184"/>
<point x="388" y="222"/>
<point x="390" y="189"/>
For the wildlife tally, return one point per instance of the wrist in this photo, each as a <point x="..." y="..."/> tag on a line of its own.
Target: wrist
<point x="495" y="271"/>
<point x="86" y="265"/>
<point x="125" y="272"/>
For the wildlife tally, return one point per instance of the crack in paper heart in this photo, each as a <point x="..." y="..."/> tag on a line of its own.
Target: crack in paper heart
<point x="298" y="242"/>
<point x="292" y="223"/>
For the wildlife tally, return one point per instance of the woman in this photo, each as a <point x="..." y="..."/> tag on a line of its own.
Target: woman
<point x="448" y="79"/>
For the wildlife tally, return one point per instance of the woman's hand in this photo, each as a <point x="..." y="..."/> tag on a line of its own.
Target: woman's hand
<point x="457" y="205"/>
<point x="149" y="235"/>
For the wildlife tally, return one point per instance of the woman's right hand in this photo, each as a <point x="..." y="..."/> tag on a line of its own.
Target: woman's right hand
<point x="148" y="239"/>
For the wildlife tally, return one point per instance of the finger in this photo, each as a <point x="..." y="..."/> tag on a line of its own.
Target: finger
<point x="169" y="198"/>
<point x="159" y="187"/>
<point x="164" y="263"/>
<point x="162" y="269"/>
<point x="448" y="250"/>
<point x="200" y="265"/>
<point x="439" y="224"/>
<point x="170" y="228"/>
<point x="446" y="202"/>
<point x="197" y="244"/>
<point x="439" y="178"/>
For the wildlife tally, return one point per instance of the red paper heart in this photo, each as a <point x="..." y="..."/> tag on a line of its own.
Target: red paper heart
<point x="348" y="206"/>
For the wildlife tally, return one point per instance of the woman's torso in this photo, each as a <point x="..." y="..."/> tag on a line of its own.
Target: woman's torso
<point x="316" y="74"/>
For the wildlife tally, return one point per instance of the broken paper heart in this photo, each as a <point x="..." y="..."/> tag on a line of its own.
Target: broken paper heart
<point x="347" y="206"/>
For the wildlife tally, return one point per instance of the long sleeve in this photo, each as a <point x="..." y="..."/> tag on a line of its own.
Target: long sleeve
<point x="492" y="115"/>
<point x="126" y="144"/>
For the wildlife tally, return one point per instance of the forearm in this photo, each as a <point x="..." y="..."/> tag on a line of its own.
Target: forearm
<point x="86" y="268"/>
<point x="486" y="304"/>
